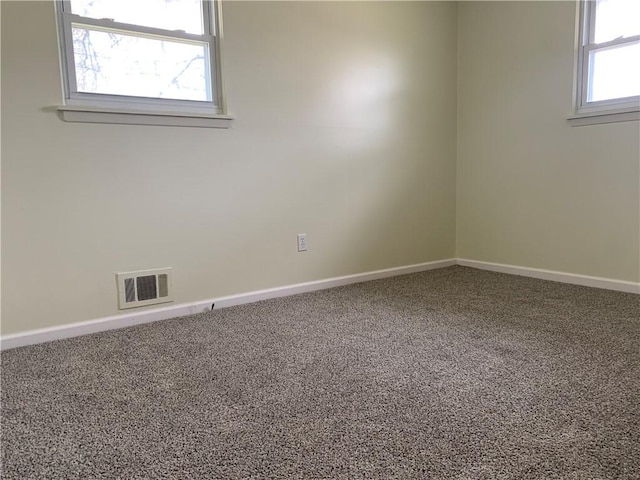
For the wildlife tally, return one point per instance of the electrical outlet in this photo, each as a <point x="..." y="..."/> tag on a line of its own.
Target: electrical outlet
<point x="302" y="242"/>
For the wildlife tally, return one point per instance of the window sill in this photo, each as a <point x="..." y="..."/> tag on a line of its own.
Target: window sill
<point x="71" y="113"/>
<point x="595" y="118"/>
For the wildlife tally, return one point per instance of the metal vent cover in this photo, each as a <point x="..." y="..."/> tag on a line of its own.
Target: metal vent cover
<point x="144" y="287"/>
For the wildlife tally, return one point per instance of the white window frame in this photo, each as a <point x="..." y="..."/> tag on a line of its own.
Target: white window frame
<point x="108" y="108"/>
<point x="603" y="111"/>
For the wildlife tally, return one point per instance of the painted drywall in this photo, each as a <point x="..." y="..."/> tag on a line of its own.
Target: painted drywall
<point x="533" y="191"/>
<point x="345" y="130"/>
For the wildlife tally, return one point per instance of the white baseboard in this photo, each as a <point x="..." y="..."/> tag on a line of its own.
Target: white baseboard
<point x="129" y="319"/>
<point x="585" y="280"/>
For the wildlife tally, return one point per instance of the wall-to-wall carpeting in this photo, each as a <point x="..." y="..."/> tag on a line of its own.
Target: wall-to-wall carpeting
<point x="454" y="373"/>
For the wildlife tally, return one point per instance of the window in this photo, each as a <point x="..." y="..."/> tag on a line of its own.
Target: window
<point x="137" y="61"/>
<point x="608" y="80"/>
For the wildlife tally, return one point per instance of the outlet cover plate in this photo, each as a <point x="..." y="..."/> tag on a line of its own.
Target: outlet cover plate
<point x="302" y="242"/>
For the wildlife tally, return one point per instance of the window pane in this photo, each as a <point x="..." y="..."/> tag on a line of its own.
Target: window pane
<point x="120" y="64"/>
<point x="167" y="14"/>
<point x="616" y="18"/>
<point x="615" y="73"/>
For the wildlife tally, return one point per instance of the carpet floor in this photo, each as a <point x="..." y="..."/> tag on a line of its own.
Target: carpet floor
<point x="448" y="374"/>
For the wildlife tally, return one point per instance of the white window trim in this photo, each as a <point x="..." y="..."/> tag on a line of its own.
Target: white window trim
<point x="100" y="108"/>
<point x="605" y="111"/>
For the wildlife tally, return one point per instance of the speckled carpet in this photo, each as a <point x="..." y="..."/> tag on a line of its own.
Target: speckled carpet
<point x="449" y="374"/>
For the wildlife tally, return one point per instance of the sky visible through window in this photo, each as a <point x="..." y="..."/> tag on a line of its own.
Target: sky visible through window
<point x="615" y="18"/>
<point x="616" y="71"/>
<point x="168" y="14"/>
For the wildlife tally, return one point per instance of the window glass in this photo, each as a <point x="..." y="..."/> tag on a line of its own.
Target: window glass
<point x="166" y="14"/>
<point x="615" y="73"/>
<point x="109" y="62"/>
<point x="616" y="18"/>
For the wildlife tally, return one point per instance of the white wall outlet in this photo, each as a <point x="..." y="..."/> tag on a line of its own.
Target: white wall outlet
<point x="302" y="242"/>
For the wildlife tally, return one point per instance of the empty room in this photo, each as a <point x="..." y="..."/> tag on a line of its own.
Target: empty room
<point x="320" y="239"/>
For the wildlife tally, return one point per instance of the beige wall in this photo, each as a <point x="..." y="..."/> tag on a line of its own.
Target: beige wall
<point x="345" y="130"/>
<point x="533" y="191"/>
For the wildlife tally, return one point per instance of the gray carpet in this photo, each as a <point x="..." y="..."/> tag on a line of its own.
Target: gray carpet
<point x="449" y="374"/>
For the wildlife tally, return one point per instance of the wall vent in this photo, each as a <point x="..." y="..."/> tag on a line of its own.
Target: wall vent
<point x="145" y="287"/>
